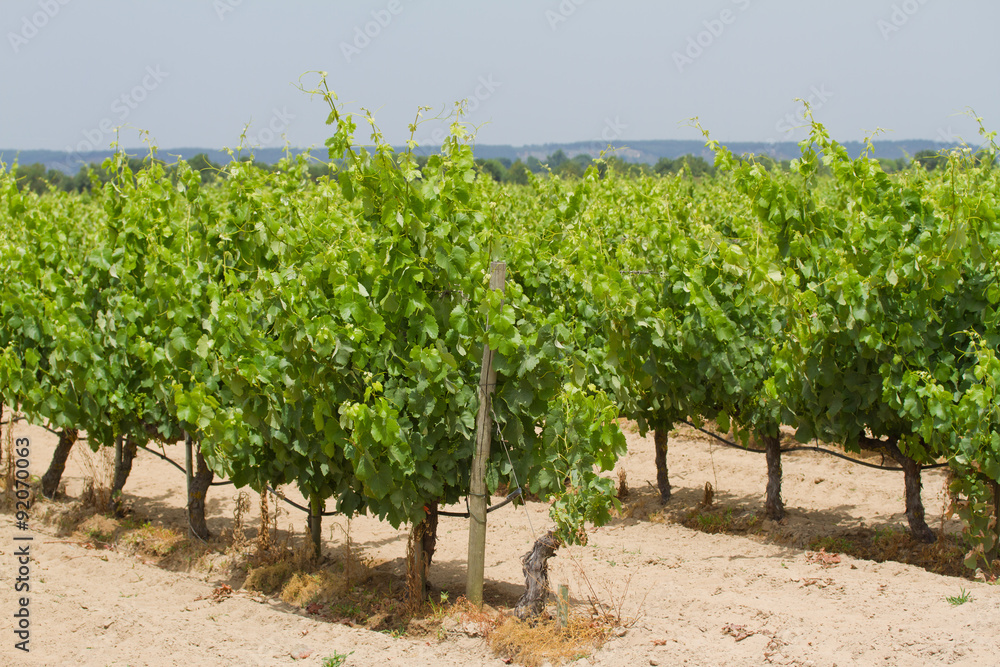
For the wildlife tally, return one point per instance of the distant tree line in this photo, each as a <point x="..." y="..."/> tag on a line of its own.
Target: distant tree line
<point x="36" y="178"/>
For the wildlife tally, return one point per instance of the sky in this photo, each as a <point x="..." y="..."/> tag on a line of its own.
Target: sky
<point x="74" y="74"/>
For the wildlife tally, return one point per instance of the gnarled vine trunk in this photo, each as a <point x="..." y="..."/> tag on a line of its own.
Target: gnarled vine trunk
<point x="773" y="505"/>
<point x="661" y="430"/>
<point x="430" y="532"/>
<point x="200" y="483"/>
<point x="420" y="552"/>
<point x="911" y="482"/>
<point x="535" y="565"/>
<point x="52" y="476"/>
<point x="914" y="504"/>
<point x="125" y="451"/>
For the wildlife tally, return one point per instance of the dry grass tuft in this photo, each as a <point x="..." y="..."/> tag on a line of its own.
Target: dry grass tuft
<point x="151" y="539"/>
<point x="642" y="505"/>
<point x="270" y="571"/>
<point x="542" y="640"/>
<point x="65" y="516"/>
<point x="535" y="643"/>
<point x="269" y="579"/>
<point x="344" y="588"/>
<point x="304" y="589"/>
<point x="100" y="530"/>
<point x="165" y="546"/>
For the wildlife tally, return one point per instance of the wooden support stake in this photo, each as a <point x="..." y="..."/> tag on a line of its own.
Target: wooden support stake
<point x="477" y="476"/>
<point x="562" y="606"/>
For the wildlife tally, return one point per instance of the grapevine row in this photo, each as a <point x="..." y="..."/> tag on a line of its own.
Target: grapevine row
<point x="328" y="334"/>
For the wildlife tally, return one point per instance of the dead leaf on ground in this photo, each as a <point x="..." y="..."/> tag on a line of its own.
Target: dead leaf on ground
<point x="739" y="632"/>
<point x="218" y="594"/>
<point x="822" y="558"/>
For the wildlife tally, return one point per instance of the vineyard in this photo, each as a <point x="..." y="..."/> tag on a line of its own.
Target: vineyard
<point x="329" y="334"/>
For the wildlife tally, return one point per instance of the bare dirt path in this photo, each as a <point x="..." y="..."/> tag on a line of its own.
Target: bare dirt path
<point x="700" y="599"/>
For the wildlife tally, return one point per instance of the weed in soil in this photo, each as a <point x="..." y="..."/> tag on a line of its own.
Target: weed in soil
<point x="833" y="544"/>
<point x="719" y="519"/>
<point x="960" y="599"/>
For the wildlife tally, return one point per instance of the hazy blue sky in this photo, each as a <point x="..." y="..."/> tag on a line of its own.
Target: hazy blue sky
<point x="193" y="73"/>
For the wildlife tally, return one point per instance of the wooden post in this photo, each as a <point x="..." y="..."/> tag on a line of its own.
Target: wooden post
<point x="189" y="474"/>
<point x="477" y="475"/>
<point x="562" y="606"/>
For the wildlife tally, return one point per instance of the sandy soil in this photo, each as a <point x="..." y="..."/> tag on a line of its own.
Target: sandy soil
<point x="700" y="599"/>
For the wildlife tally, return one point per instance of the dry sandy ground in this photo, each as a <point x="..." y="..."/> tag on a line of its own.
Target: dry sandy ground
<point x="700" y="599"/>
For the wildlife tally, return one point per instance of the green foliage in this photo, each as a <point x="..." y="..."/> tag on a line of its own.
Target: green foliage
<point x="327" y="333"/>
<point x="960" y="599"/>
<point x="695" y="165"/>
<point x="338" y="659"/>
<point x="324" y="324"/>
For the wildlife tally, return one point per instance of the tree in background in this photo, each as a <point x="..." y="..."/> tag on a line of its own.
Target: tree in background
<point x="494" y="168"/>
<point x="696" y="165"/>
<point x="930" y="160"/>
<point x="209" y="170"/>
<point x="518" y="173"/>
